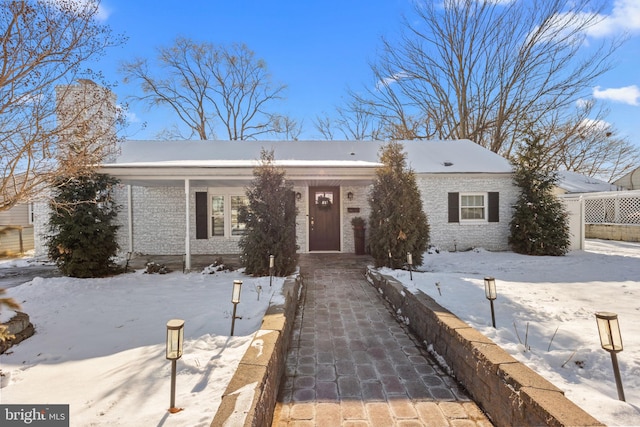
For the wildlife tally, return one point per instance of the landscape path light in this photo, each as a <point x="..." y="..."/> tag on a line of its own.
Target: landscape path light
<point x="611" y="341"/>
<point x="272" y="265"/>
<point x="175" y="339"/>
<point x="235" y="299"/>
<point x="410" y="263"/>
<point x="491" y="294"/>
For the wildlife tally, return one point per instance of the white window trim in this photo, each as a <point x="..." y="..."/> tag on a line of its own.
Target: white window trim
<point x="485" y="199"/>
<point x="227" y="193"/>
<point x="31" y="213"/>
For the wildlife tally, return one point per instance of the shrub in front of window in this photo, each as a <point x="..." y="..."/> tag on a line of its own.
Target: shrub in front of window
<point x="270" y="221"/>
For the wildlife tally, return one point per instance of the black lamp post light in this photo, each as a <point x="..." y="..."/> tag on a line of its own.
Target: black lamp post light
<point x="235" y="299"/>
<point x="611" y="341"/>
<point x="175" y="339"/>
<point x="491" y="294"/>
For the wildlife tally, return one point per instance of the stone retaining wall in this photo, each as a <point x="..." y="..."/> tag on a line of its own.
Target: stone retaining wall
<point x="509" y="392"/>
<point x="250" y="397"/>
<point x="621" y="232"/>
<point x="20" y="327"/>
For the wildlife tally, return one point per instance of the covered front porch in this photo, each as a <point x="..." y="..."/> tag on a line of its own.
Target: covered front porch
<point x="183" y="197"/>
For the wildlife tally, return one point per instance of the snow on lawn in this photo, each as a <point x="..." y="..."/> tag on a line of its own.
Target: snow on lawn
<point x="545" y="315"/>
<point x="100" y="345"/>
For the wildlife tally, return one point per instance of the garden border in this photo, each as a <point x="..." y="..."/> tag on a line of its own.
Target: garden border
<point x="249" y="399"/>
<point x="508" y="391"/>
<point x="20" y="327"/>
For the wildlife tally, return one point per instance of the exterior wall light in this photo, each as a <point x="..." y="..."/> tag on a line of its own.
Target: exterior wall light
<point x="235" y="299"/>
<point x="491" y="294"/>
<point x="350" y="195"/>
<point x="175" y="340"/>
<point x="611" y="341"/>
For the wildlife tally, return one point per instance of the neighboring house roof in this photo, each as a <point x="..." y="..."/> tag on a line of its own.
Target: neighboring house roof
<point x="459" y="156"/>
<point x="629" y="181"/>
<point x="572" y="182"/>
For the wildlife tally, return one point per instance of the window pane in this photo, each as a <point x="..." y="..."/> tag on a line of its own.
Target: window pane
<point x="472" y="206"/>
<point x="472" y="213"/>
<point x="472" y="201"/>
<point x="237" y="228"/>
<point x="217" y="215"/>
<point x="324" y="198"/>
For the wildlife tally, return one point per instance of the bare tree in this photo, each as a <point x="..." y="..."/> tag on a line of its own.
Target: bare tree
<point x="207" y="85"/>
<point x="325" y="125"/>
<point x="354" y="120"/>
<point x="487" y="70"/>
<point x="286" y="127"/>
<point x="588" y="144"/>
<point x="44" y="45"/>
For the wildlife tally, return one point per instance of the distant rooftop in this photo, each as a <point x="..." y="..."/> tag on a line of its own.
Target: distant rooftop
<point x="573" y="182"/>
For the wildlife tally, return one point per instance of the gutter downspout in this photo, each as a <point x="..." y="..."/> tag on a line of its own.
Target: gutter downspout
<point x="187" y="243"/>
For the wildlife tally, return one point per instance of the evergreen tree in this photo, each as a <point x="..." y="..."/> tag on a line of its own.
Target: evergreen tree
<point x="270" y="220"/>
<point x="398" y="223"/>
<point x="83" y="238"/>
<point x="540" y="223"/>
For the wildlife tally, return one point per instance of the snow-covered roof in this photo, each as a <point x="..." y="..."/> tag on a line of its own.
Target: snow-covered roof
<point x="573" y="182"/>
<point x="459" y="156"/>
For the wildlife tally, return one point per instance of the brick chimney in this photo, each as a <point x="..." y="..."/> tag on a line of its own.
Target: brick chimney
<point x="86" y="121"/>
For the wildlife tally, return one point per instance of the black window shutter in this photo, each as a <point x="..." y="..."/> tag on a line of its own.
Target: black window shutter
<point x="454" y="207"/>
<point x="201" y="215"/>
<point x="494" y="207"/>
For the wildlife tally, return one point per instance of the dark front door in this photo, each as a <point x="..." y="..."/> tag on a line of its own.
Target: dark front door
<point x="324" y="218"/>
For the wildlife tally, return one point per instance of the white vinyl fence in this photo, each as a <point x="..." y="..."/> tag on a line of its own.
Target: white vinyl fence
<point x="610" y="214"/>
<point x="619" y="207"/>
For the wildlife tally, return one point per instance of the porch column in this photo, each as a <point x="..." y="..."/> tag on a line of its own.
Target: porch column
<point x="187" y="244"/>
<point x="130" y="216"/>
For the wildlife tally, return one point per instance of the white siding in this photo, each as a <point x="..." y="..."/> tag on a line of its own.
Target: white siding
<point x="460" y="236"/>
<point x="360" y="200"/>
<point x="159" y="216"/>
<point x="158" y="220"/>
<point x="17" y="215"/>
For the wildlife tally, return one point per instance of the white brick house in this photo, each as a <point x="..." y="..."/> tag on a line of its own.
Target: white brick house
<point x="181" y="197"/>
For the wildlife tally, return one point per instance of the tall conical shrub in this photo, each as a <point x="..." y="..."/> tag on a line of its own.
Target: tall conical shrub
<point x="82" y="238"/>
<point x="270" y="220"/>
<point x="397" y="223"/>
<point x="540" y="223"/>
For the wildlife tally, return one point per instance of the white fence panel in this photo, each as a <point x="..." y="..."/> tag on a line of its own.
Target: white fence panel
<point x="575" y="208"/>
<point x="613" y="208"/>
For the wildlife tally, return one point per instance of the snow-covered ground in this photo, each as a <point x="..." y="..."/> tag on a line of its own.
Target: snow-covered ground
<point x="545" y="315"/>
<point x="100" y="343"/>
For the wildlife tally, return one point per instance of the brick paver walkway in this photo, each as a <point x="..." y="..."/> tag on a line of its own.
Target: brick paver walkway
<point x="351" y="363"/>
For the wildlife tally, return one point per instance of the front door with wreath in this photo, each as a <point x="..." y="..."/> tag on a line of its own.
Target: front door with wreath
<point x="324" y="218"/>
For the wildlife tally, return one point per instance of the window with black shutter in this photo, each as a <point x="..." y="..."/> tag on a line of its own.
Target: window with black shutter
<point x="202" y="215"/>
<point x="454" y="207"/>
<point x="474" y="207"/>
<point x="494" y="207"/>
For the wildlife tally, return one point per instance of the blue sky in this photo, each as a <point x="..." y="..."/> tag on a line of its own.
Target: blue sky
<point x="320" y="48"/>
